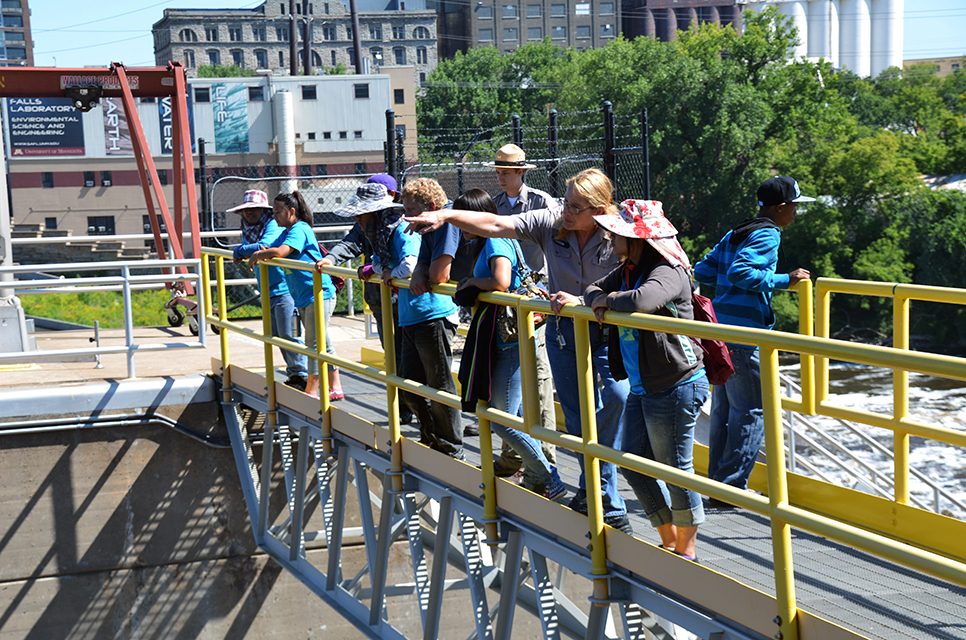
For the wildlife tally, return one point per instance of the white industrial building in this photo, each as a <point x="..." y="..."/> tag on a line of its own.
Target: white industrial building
<point x="864" y="36"/>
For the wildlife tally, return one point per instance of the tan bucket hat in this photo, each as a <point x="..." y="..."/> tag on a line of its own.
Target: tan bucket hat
<point x="510" y="156"/>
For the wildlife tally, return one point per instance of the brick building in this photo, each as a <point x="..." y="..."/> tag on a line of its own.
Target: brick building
<point x="259" y="38"/>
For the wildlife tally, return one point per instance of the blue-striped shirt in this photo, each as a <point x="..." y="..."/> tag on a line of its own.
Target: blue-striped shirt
<point x="744" y="278"/>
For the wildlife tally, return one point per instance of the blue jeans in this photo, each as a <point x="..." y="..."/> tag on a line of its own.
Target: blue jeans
<point x="737" y="426"/>
<point x="506" y="394"/>
<point x="283" y="313"/>
<point x="610" y="396"/>
<point x="660" y="427"/>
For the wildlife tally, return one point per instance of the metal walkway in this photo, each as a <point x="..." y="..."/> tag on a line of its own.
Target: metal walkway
<point x="841" y="592"/>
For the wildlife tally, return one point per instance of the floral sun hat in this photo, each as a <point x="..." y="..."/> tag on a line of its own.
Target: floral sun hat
<point x="645" y="219"/>
<point x="254" y="199"/>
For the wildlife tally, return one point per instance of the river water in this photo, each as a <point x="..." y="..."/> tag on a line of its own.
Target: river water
<point x="932" y="401"/>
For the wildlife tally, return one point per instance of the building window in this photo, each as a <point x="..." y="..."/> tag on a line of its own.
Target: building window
<point x="399" y="96"/>
<point x="328" y="33"/>
<point x="214" y="57"/>
<point x="583" y="31"/>
<point x="333" y="57"/>
<point x="357" y="135"/>
<point x="311" y="135"/>
<point x="281" y="34"/>
<point x="325" y="8"/>
<point x="281" y="59"/>
<point x="343" y="135"/>
<point x="606" y="31"/>
<point x="321" y="170"/>
<point x="421" y="33"/>
<point x="256" y="94"/>
<point x="509" y="11"/>
<point x="281" y="9"/>
<point x="261" y="58"/>
<point x="101" y="225"/>
<point x="606" y="8"/>
<point x="484" y="12"/>
<point x="106" y="180"/>
<point x="202" y="94"/>
<point x="375" y="32"/>
<point x="510" y="34"/>
<point x="955" y="66"/>
<point x="258" y="34"/>
<point x="50" y="223"/>
<point x="47" y="178"/>
<point x="326" y="135"/>
<point x="305" y="170"/>
<point x="234" y="34"/>
<point x="422" y="78"/>
<point x="361" y="168"/>
<point x="558" y="10"/>
<point x="238" y="59"/>
<point x="352" y="56"/>
<point x="88" y="178"/>
<point x="361" y="90"/>
<point x="421" y="54"/>
<point x="399" y="54"/>
<point x="13" y="21"/>
<point x="534" y="33"/>
<point x="162" y="177"/>
<point x="189" y="58"/>
<point x="486" y="35"/>
<point x="558" y="33"/>
<point x="211" y="34"/>
<point x="348" y="32"/>
<point x="308" y="92"/>
<point x="398" y="33"/>
<point x="582" y="9"/>
<point x="18" y="53"/>
<point x="534" y="10"/>
<point x="187" y="35"/>
<point x="376" y="54"/>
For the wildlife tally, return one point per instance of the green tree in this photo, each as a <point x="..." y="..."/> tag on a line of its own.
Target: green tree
<point x="224" y="71"/>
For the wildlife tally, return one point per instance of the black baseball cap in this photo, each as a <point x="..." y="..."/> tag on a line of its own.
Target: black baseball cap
<point x="780" y="189"/>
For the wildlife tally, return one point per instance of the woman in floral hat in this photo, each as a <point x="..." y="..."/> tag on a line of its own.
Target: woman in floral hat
<point x="665" y="371"/>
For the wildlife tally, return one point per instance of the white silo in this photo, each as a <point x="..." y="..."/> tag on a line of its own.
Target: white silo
<point x="886" y="41"/>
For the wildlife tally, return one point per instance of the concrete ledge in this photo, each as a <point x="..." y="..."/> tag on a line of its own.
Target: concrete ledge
<point x="107" y="397"/>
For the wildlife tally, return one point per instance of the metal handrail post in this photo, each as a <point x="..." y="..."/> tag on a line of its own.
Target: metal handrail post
<point x="823" y="304"/>
<point x="806" y="313"/>
<point x="588" y="420"/>
<point x="900" y="398"/>
<point x="320" y="344"/>
<point x="222" y="306"/>
<point x="392" y="391"/>
<point x="128" y="321"/>
<point x="778" y="495"/>
<point x="490" y="516"/>
<point x="528" y="370"/>
<point x="272" y="417"/>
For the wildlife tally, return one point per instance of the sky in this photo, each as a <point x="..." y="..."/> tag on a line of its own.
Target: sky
<point x="106" y="32"/>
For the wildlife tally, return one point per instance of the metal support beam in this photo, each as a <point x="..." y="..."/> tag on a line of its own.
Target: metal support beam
<point x="420" y="574"/>
<point x="513" y="558"/>
<point x="474" y="570"/>
<point x="444" y="530"/>
<point x="334" y="571"/>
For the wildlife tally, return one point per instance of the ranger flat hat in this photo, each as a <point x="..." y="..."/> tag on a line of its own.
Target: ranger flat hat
<point x="510" y="156"/>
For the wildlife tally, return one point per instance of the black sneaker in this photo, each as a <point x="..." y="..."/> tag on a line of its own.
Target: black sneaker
<point x="620" y="522"/>
<point x="579" y="502"/>
<point x="406" y="418"/>
<point x="506" y="468"/>
<point x="471" y="430"/>
<point x="296" y="382"/>
<point x="714" y="503"/>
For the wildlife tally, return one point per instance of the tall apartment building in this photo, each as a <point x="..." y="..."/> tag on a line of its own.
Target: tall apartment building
<point x="16" y="45"/>
<point x="397" y="33"/>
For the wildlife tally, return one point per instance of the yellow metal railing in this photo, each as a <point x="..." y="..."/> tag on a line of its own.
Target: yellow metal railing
<point x="892" y="530"/>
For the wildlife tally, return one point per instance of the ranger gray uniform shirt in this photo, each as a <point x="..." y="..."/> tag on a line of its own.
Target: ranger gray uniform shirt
<point x="569" y="268"/>
<point x="529" y="200"/>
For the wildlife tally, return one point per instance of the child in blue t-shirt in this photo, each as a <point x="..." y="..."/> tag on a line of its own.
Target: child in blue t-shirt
<point x="499" y="267"/>
<point x="298" y="242"/>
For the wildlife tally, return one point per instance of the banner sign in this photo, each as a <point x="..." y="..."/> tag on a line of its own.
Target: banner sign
<point x="230" y="106"/>
<point x="45" y="127"/>
<point x="167" y="130"/>
<point x="117" y="136"/>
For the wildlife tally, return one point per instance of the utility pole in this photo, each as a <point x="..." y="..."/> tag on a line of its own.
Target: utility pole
<point x="293" y="55"/>
<point x="356" y="36"/>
